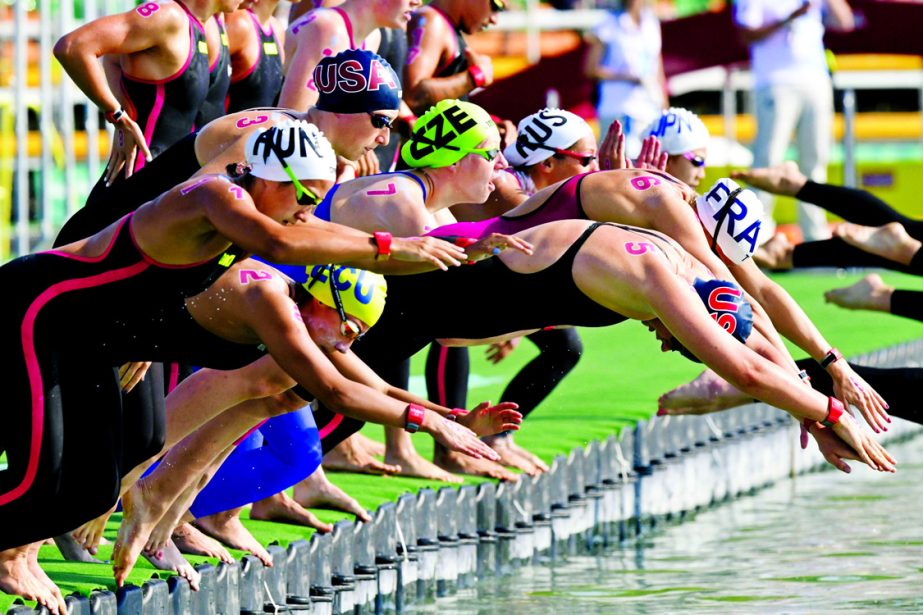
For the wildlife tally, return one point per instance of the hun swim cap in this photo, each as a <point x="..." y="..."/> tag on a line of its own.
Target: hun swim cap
<point x="447" y="133"/>
<point x="540" y="134"/>
<point x="362" y="292"/>
<point x="727" y="306"/>
<point x="296" y="144"/>
<point x="356" y="81"/>
<point x="679" y="131"/>
<point x="732" y="216"/>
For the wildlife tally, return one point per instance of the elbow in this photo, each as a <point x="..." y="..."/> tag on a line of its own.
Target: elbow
<point x="63" y="49"/>
<point x="336" y="396"/>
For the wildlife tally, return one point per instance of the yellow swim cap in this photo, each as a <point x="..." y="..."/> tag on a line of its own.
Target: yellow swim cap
<point x="447" y="133"/>
<point x="362" y="292"/>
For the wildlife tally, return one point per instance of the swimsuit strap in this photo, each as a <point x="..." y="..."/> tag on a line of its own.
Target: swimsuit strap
<point x="349" y="28"/>
<point x="411" y="176"/>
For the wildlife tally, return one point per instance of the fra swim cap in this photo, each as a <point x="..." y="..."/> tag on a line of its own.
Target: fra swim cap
<point x="362" y="292"/>
<point x="732" y="216"/>
<point x="356" y="81"/>
<point x="446" y="133"/>
<point x="543" y="132"/>
<point x="292" y="143"/>
<point x="679" y="131"/>
<point x="728" y="307"/>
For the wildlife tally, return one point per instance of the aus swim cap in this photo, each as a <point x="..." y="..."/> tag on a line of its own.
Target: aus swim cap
<point x="362" y="292"/>
<point x="727" y="306"/>
<point x="732" y="216"/>
<point x="356" y="81"/>
<point x="447" y="133"/>
<point x="540" y="134"/>
<point x="294" y="144"/>
<point x="679" y="131"/>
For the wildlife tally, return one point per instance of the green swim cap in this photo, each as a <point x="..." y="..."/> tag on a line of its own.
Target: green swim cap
<point x="445" y="134"/>
<point x="362" y="292"/>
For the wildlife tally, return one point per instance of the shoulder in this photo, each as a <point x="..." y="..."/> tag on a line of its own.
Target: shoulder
<point x="239" y="24"/>
<point x="167" y="14"/>
<point x="429" y="20"/>
<point x="317" y="20"/>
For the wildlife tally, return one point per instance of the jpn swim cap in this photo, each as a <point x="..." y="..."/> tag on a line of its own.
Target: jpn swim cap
<point x="362" y="292"/>
<point x="292" y="143"/>
<point x="356" y="81"/>
<point x="446" y="133"/>
<point x="732" y="216"/>
<point x="540" y="134"/>
<point x="679" y="131"/>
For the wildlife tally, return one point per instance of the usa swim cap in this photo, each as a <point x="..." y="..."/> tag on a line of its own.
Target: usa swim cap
<point x="727" y="306"/>
<point x="543" y="132"/>
<point x="445" y="134"/>
<point x="732" y="216"/>
<point x="363" y="293"/>
<point x="296" y="144"/>
<point x="356" y="81"/>
<point x="679" y="131"/>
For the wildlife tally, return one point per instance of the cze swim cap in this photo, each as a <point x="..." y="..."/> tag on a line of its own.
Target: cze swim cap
<point x="362" y="292"/>
<point x="540" y="134"/>
<point x="296" y="144"/>
<point x="679" y="131"/>
<point x="356" y="81"/>
<point x="446" y="133"/>
<point x="732" y="216"/>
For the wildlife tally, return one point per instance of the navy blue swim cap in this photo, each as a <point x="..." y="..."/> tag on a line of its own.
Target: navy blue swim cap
<point x="356" y="81"/>
<point x="728" y="307"/>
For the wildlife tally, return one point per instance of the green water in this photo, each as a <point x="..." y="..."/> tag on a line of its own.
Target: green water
<point x="823" y="543"/>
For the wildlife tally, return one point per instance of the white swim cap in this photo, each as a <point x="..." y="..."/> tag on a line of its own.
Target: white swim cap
<point x="543" y="132"/>
<point x="296" y="144"/>
<point x="737" y="215"/>
<point x="679" y="131"/>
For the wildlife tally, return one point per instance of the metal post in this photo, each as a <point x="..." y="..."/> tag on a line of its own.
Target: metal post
<point x="533" y="33"/>
<point x="66" y="18"/>
<point x="46" y="125"/>
<point x="849" y="138"/>
<point x="92" y="116"/>
<point x="21" y="111"/>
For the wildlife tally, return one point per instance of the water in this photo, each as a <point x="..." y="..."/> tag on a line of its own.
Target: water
<point x="823" y="543"/>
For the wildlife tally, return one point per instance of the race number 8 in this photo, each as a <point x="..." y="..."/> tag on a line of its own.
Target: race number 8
<point x="148" y="9"/>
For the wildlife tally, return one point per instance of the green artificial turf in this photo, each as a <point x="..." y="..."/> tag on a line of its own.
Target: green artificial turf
<point x="617" y="381"/>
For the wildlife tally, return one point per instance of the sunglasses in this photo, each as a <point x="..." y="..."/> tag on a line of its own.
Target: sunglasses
<point x="349" y="328"/>
<point x="585" y="158"/>
<point x="498" y="6"/>
<point x="304" y="196"/>
<point x="696" y="160"/>
<point x="380" y="121"/>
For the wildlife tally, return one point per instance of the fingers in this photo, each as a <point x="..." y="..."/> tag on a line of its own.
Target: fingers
<point x="662" y="162"/>
<point x="140" y="141"/>
<point x="837" y="462"/>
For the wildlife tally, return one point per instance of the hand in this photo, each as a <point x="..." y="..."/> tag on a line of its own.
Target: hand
<point x="508" y="133"/>
<point x="486" y="420"/>
<point x="346" y="170"/>
<point x="456" y="437"/>
<point x="493" y="244"/>
<point x="126" y="141"/>
<point x="483" y="62"/>
<point x="851" y="389"/>
<point x="832" y="447"/>
<point x="868" y="450"/>
<point x="651" y="157"/>
<point x="367" y="165"/>
<point x="131" y="374"/>
<point x="498" y="351"/>
<point x="440" y="253"/>
<point x="611" y="152"/>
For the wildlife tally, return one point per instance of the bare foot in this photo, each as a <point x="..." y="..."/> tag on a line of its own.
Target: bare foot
<point x="529" y="455"/>
<point x="351" y="456"/>
<point x="90" y="533"/>
<point x="171" y="559"/>
<point x="709" y="392"/>
<point x="72" y="551"/>
<point x="17" y="577"/>
<point x="40" y="574"/>
<point x="890" y="241"/>
<point x="869" y="293"/>
<point x="372" y="447"/>
<point x="412" y="464"/>
<point x="281" y="507"/>
<point x="784" y="178"/>
<point x="510" y="457"/>
<point x="775" y="254"/>
<point x="317" y="492"/>
<point x="141" y="511"/>
<point x="460" y="463"/>
<point x="226" y="528"/>
<point x="193" y="542"/>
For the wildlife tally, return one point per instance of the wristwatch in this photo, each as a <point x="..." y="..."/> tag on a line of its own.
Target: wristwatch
<point x="415" y="416"/>
<point x="833" y="355"/>
<point x="835" y="411"/>
<point x="383" y="243"/>
<point x="113" y="117"/>
<point x="477" y="75"/>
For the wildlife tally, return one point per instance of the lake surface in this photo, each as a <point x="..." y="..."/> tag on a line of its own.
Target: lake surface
<point x="821" y="543"/>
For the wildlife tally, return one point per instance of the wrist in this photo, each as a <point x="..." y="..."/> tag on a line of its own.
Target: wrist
<point x="415" y="418"/>
<point x="382" y="241"/>
<point x="830" y="358"/>
<point x="835" y="412"/>
<point x="477" y="76"/>
<point x="113" y="117"/>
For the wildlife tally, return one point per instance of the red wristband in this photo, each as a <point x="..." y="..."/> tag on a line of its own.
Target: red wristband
<point x="835" y="411"/>
<point x="477" y="75"/>
<point x="833" y="355"/>
<point x="383" y="243"/>
<point x="415" y="415"/>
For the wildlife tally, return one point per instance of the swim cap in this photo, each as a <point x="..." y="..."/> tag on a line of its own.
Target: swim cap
<point x="442" y="136"/>
<point x="732" y="216"/>
<point x="679" y="131"/>
<point x="292" y="143"/>
<point x="727" y="306"/>
<point x="362" y="292"/>
<point x="543" y="132"/>
<point x="356" y="81"/>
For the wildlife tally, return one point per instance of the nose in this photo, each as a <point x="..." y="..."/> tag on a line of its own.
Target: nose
<point x="501" y="162"/>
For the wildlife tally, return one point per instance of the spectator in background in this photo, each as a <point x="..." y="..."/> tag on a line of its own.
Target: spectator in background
<point x="792" y="87"/>
<point x="625" y="58"/>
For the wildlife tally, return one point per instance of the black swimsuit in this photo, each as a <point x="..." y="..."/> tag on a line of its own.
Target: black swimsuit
<point x="261" y="84"/>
